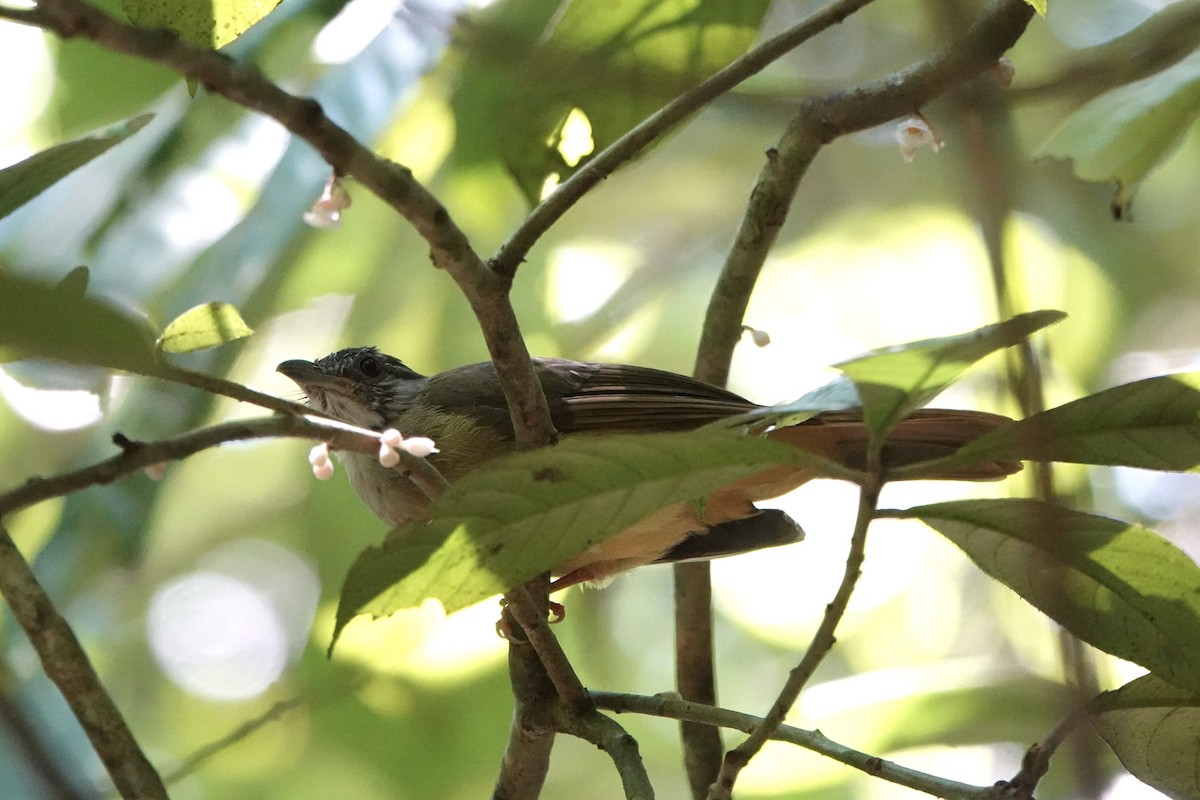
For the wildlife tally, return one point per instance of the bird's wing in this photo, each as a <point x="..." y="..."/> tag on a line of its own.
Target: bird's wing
<point x="617" y="397"/>
<point x="586" y="396"/>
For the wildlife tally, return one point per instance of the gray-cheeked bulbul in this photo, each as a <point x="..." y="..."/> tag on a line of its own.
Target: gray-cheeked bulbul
<point x="464" y="411"/>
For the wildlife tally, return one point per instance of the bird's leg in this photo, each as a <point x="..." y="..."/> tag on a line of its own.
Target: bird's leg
<point x="556" y="613"/>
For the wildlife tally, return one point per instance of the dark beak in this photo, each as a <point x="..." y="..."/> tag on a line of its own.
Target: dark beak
<point x="308" y="375"/>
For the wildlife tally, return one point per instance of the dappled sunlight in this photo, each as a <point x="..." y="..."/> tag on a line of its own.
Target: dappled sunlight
<point x="582" y="276"/>
<point x="421" y="643"/>
<point x="228" y="629"/>
<point x="1127" y="787"/>
<point x="353" y="28"/>
<point x="780" y="594"/>
<point x="52" y="409"/>
<point x="909" y="274"/>
<point x="24" y="51"/>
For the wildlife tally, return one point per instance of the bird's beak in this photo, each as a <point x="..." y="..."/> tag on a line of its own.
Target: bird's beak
<point x="309" y="376"/>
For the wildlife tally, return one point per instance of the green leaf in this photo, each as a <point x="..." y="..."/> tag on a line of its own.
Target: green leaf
<point x="39" y="320"/>
<point x="839" y="394"/>
<point x="205" y="23"/>
<point x="1117" y="586"/>
<point x="203" y="327"/>
<point x="894" y="381"/>
<point x="519" y="516"/>
<point x="1152" y="424"/>
<point x="26" y="179"/>
<point x="609" y="62"/>
<point x="1154" y="728"/>
<point x="1125" y="134"/>
<point x="1038" y="5"/>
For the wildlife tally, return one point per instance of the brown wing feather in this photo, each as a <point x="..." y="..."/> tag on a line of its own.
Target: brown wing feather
<point x="619" y="397"/>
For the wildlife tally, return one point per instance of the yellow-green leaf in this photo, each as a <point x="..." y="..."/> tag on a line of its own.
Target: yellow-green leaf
<point x="202" y="327"/>
<point x="894" y="381"/>
<point x="206" y="23"/>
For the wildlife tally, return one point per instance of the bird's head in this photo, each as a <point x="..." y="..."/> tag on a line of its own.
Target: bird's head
<point x="359" y="385"/>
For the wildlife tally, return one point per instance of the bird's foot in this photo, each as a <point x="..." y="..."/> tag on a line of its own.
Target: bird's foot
<point x="506" y="626"/>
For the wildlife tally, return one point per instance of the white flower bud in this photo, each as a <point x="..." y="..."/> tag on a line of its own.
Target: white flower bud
<point x="319" y="454"/>
<point x="387" y="456"/>
<point x="419" y="446"/>
<point x="760" y="338"/>
<point x="323" y="471"/>
<point x="915" y="133"/>
<point x="156" y="472"/>
<point x="391" y="437"/>
<point x="327" y="211"/>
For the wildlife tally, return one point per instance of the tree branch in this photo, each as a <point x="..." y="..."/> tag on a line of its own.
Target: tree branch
<point x="695" y="672"/>
<point x="607" y="734"/>
<point x="532" y="620"/>
<point x="450" y="250"/>
<point x="67" y="665"/>
<point x="818" y="122"/>
<point x="536" y="701"/>
<point x="671" y="708"/>
<point x="513" y="252"/>
<point x="137" y="456"/>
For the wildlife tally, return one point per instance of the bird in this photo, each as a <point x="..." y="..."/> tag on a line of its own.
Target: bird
<point x="464" y="411"/>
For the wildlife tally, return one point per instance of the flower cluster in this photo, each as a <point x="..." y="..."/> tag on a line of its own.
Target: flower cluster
<point x="391" y="441"/>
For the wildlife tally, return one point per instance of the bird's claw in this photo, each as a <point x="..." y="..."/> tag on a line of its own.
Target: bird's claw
<point x="555" y="613"/>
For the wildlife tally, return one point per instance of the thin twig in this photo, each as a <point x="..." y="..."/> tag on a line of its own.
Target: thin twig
<point x="513" y="252"/>
<point x="672" y="708"/>
<point x="137" y="456"/>
<point x="822" y="641"/>
<point x="67" y="665"/>
<point x="607" y="734"/>
<point x="193" y="762"/>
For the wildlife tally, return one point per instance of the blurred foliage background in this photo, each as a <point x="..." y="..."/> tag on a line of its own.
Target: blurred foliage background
<point x="207" y="599"/>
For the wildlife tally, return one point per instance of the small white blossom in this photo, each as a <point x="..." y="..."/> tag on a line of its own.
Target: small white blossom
<point x="915" y="133"/>
<point x="391" y="437"/>
<point x="322" y="465"/>
<point x="327" y="211"/>
<point x="318" y="454"/>
<point x="419" y="446"/>
<point x="388" y="457"/>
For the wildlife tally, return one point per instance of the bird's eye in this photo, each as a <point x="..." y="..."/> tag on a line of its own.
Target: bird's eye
<point x="370" y="367"/>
